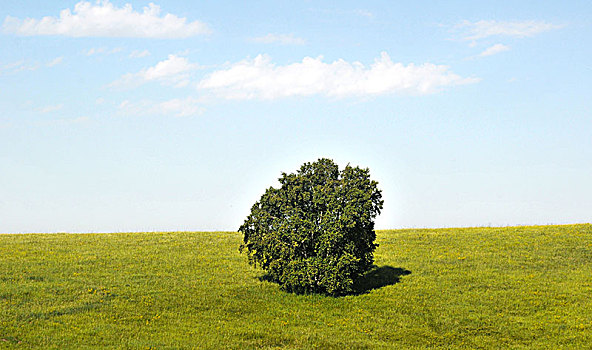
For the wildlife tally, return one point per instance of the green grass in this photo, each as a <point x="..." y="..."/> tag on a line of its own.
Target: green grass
<point x="473" y="288"/>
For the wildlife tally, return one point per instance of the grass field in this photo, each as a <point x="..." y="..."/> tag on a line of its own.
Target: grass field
<point x="473" y="288"/>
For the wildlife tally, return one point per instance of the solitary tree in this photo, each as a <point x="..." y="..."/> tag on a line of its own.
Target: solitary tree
<point x="316" y="232"/>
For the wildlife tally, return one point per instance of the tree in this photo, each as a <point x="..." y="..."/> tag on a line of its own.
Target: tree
<point x="315" y="234"/>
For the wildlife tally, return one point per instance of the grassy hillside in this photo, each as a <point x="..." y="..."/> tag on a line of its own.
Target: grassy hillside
<point x="517" y="287"/>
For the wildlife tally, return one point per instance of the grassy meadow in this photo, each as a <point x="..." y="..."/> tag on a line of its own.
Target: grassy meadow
<point x="470" y="288"/>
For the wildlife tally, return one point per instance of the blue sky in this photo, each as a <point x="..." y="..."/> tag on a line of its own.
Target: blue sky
<point x="130" y="116"/>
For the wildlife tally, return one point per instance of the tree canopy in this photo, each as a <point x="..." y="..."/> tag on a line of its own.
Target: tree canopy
<point x="316" y="232"/>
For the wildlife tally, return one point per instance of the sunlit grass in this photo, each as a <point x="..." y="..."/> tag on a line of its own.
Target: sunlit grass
<point x="515" y="287"/>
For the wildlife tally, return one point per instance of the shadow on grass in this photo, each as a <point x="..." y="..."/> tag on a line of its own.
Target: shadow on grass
<point x="377" y="277"/>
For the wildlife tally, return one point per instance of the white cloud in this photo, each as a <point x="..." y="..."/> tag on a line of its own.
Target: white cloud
<point x="22" y="65"/>
<point x="94" y="51"/>
<point x="55" y="61"/>
<point x="175" y="107"/>
<point x="340" y="12"/>
<point x="495" y="49"/>
<point x="82" y="119"/>
<point x="103" y="19"/>
<point x="49" y="109"/>
<point x="284" y="39"/>
<point x="14" y="65"/>
<point x="364" y="13"/>
<point x="102" y="51"/>
<point x="519" y="29"/>
<point x="175" y="70"/>
<point x="19" y="66"/>
<point x="259" y="78"/>
<point x="139" y="54"/>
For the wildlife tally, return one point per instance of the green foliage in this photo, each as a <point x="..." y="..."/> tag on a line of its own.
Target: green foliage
<point x="316" y="232"/>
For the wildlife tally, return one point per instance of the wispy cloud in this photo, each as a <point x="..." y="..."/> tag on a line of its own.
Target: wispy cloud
<point x="102" y="51"/>
<point x="471" y="31"/>
<point x="103" y="19"/>
<point x="495" y="49"/>
<point x="19" y="66"/>
<point x="23" y="65"/>
<point x="175" y="70"/>
<point x="55" y="61"/>
<point x="284" y="39"/>
<point x="364" y="13"/>
<point x="341" y="12"/>
<point x="49" y="109"/>
<point x="177" y="107"/>
<point x="139" y="54"/>
<point x="259" y="78"/>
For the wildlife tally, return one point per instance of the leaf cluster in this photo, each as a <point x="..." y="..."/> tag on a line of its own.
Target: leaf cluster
<point x="315" y="234"/>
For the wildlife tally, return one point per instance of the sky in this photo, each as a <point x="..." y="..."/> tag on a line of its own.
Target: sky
<point x="126" y="115"/>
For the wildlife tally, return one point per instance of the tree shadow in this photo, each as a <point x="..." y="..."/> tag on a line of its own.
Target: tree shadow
<point x="378" y="277"/>
<point x="267" y="278"/>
